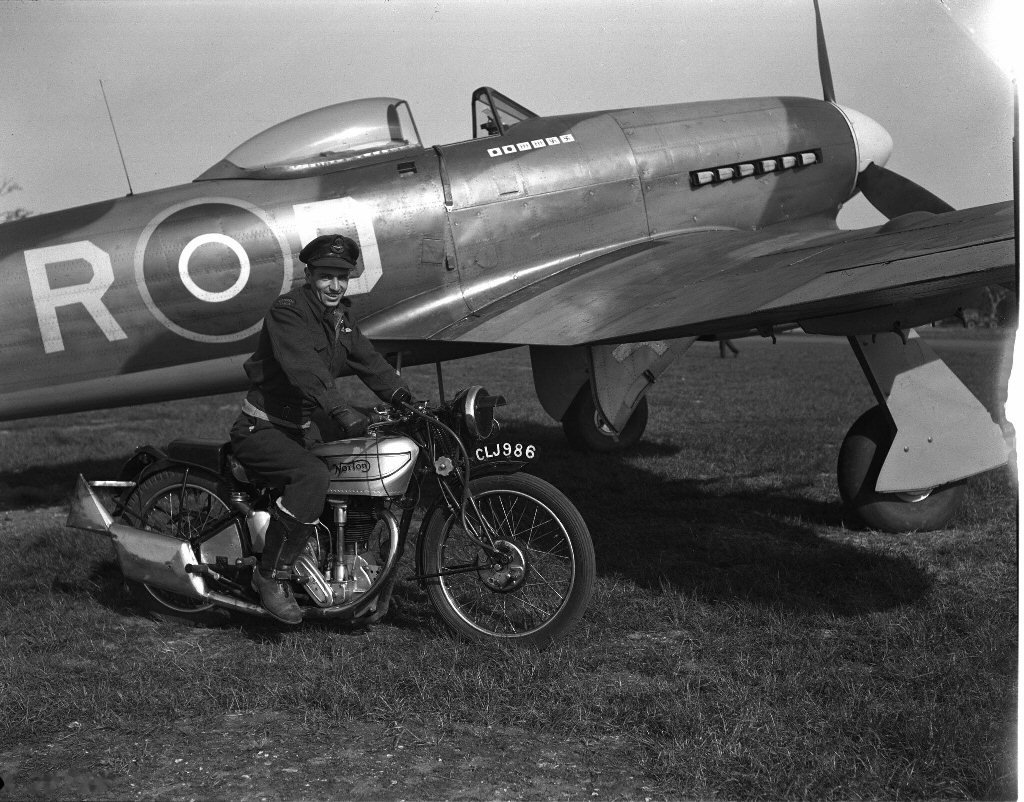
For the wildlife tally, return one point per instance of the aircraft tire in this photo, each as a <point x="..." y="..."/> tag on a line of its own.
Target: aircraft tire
<point x="860" y="459"/>
<point x="151" y="506"/>
<point x="584" y="430"/>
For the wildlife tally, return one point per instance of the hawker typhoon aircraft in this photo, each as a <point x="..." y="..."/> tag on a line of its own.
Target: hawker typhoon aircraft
<point x="606" y="242"/>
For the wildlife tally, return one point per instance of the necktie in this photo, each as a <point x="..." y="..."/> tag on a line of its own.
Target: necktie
<point x="337" y="321"/>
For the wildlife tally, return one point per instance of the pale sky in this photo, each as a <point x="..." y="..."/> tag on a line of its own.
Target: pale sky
<point x="188" y="81"/>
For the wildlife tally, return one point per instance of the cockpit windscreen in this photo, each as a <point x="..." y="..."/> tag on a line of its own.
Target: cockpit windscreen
<point x="322" y="140"/>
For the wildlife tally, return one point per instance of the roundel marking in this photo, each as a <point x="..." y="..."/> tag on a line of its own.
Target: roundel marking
<point x="207" y="295"/>
<point x="179" y="260"/>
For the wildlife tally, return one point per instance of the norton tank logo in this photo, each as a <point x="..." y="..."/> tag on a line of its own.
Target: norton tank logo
<point x="355" y="466"/>
<point x="179" y="261"/>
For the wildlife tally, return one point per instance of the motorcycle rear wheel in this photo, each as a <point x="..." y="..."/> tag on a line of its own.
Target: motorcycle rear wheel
<point x="175" y="504"/>
<point x="542" y="525"/>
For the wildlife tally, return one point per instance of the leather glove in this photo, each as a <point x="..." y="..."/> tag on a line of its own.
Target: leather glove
<point x="351" y="422"/>
<point x="401" y="396"/>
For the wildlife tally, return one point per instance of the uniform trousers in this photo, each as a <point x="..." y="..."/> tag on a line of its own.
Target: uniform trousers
<point x="280" y="458"/>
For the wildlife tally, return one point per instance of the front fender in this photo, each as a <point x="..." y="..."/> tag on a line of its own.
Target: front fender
<point x="496" y="466"/>
<point x="479" y="469"/>
<point x="428" y="517"/>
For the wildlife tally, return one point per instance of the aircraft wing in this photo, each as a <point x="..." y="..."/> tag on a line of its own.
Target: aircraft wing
<point x="723" y="281"/>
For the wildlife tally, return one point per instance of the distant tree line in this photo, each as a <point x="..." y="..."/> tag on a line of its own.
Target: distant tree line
<point x="1001" y="307"/>
<point x="990" y="307"/>
<point x="7" y="186"/>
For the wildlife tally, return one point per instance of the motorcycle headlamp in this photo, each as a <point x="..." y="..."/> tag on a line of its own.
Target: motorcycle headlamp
<point x="478" y="411"/>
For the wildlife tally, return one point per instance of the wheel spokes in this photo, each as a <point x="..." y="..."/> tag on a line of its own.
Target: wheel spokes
<point x="183" y="513"/>
<point x="524" y="521"/>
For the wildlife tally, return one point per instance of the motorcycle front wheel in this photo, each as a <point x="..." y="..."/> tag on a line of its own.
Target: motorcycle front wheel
<point x="181" y="504"/>
<point x="538" y="586"/>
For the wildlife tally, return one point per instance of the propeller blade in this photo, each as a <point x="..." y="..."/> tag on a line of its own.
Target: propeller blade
<point x="823" y="65"/>
<point x="893" y="195"/>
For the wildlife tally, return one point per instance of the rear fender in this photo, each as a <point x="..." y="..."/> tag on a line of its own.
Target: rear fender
<point x="144" y="461"/>
<point x="147" y="461"/>
<point x="140" y="463"/>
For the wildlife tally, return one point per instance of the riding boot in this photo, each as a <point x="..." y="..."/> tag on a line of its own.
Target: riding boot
<point x="286" y="537"/>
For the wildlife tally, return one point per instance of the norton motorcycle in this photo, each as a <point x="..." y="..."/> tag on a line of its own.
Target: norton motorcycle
<point x="500" y="553"/>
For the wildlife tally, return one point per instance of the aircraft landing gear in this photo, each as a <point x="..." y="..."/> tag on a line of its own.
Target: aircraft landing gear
<point x="860" y="459"/>
<point x="586" y="430"/>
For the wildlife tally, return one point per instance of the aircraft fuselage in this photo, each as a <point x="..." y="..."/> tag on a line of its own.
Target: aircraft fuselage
<point x="161" y="295"/>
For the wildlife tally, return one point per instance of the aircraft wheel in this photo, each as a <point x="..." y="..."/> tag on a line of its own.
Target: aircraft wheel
<point x="586" y="430"/>
<point x="860" y="460"/>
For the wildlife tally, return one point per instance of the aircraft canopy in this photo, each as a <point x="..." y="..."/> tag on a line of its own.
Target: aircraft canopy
<point x="322" y="141"/>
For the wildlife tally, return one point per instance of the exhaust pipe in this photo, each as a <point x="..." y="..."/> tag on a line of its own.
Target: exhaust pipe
<point x="157" y="559"/>
<point x="163" y="561"/>
<point x="150" y="557"/>
<point x="235" y="604"/>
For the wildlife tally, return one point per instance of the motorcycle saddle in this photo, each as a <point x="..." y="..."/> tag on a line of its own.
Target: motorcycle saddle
<point x="213" y="455"/>
<point x="209" y="454"/>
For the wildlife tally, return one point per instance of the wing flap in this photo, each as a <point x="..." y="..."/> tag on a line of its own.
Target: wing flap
<point x="946" y="270"/>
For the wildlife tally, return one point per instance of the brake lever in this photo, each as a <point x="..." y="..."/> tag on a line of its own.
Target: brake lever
<point x="389" y="414"/>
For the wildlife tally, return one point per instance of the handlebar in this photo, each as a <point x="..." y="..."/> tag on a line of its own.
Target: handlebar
<point x="385" y="414"/>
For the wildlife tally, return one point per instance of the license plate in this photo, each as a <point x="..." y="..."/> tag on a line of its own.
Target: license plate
<point x="517" y="451"/>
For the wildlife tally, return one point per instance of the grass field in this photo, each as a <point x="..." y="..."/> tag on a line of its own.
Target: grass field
<point x="744" y="641"/>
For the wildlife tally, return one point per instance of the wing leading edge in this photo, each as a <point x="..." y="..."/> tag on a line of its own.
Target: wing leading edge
<point x="709" y="282"/>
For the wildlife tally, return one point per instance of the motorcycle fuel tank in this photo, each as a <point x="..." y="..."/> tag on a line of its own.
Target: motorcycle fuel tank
<point x="369" y="466"/>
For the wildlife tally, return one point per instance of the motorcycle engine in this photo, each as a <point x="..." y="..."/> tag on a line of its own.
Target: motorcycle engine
<point x="359" y="527"/>
<point x="359" y="545"/>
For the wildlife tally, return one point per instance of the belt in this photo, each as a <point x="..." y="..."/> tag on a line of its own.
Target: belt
<point x="251" y="409"/>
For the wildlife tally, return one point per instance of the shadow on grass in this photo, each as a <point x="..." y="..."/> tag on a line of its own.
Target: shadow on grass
<point x="746" y="538"/>
<point x="49" y="485"/>
<point x="719" y="540"/>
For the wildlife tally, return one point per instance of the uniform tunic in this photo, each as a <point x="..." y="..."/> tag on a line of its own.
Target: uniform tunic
<point x="303" y="346"/>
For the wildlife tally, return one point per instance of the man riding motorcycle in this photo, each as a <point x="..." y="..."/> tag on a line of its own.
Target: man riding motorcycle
<point x="308" y="339"/>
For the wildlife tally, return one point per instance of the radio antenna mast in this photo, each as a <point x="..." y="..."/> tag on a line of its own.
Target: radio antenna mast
<point x="118" y="141"/>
